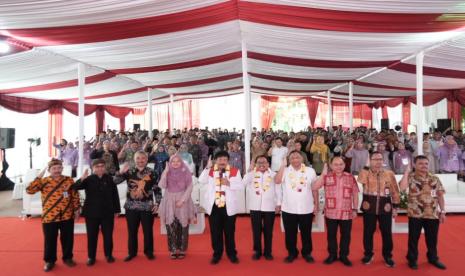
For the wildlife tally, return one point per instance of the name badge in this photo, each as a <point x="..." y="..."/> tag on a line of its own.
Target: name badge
<point x="65" y="194"/>
<point x="455" y="158"/>
<point x="433" y="193"/>
<point x="387" y="191"/>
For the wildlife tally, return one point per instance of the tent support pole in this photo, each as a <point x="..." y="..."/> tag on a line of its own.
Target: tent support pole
<point x="81" y="88"/>
<point x="149" y="109"/>
<point x="247" y="104"/>
<point x="420" y="110"/>
<point x="351" y="106"/>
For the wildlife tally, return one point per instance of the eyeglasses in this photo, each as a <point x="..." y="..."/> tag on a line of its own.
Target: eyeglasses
<point x="377" y="159"/>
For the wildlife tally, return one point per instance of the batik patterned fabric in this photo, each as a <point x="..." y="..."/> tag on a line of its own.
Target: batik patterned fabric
<point x="380" y="191"/>
<point x="143" y="191"/>
<point x="423" y="196"/>
<point x="339" y="194"/>
<point x="178" y="236"/>
<point x="59" y="200"/>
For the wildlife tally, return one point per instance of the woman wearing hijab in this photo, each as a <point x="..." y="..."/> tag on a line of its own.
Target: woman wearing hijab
<point x="159" y="157"/>
<point x="320" y="153"/>
<point x="172" y="150"/>
<point x="187" y="157"/>
<point x="177" y="208"/>
<point x="401" y="159"/>
<point x="450" y="156"/>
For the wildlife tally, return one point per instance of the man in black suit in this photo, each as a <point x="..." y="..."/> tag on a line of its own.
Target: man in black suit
<point x="100" y="207"/>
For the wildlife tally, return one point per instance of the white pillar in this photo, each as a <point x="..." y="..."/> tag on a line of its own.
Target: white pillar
<point x="330" y="113"/>
<point x="420" y="110"/>
<point x="351" y="106"/>
<point x="149" y="109"/>
<point x="81" y="88"/>
<point x="172" y="113"/>
<point x="247" y="104"/>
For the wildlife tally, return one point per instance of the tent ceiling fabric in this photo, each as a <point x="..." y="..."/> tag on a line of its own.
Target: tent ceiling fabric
<point x="192" y="48"/>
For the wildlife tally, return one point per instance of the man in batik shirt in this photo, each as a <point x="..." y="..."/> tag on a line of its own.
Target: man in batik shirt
<point x="143" y="199"/>
<point x="381" y="199"/>
<point x="341" y="202"/>
<point x="425" y="210"/>
<point x="60" y="205"/>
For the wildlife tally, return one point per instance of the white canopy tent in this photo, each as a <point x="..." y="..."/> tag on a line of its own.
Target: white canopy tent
<point x="139" y="53"/>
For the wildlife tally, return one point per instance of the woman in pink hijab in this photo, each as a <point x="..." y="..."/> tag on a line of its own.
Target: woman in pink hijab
<point x="177" y="208"/>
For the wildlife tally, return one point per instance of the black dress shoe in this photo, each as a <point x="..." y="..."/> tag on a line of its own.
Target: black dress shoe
<point x="413" y="265"/>
<point x="151" y="257"/>
<point x="129" y="258"/>
<point x="389" y="262"/>
<point x="90" y="262"/>
<point x="269" y="257"/>
<point x="309" y="259"/>
<point x="438" y="264"/>
<point x="367" y="260"/>
<point x="69" y="262"/>
<point x="215" y="260"/>
<point x="256" y="256"/>
<point x="48" y="266"/>
<point x="345" y="261"/>
<point x="110" y="259"/>
<point x="234" y="259"/>
<point x="331" y="259"/>
<point x="289" y="259"/>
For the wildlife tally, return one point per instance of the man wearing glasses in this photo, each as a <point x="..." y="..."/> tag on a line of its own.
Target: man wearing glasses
<point x="264" y="198"/>
<point x="380" y="202"/>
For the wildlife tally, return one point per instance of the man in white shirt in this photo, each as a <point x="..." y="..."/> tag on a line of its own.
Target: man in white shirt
<point x="277" y="152"/>
<point x="298" y="205"/>
<point x="222" y="182"/>
<point x="264" y="199"/>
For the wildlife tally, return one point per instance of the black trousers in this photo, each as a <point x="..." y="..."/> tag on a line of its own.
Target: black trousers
<point x="66" y="229"/>
<point x="293" y="222"/>
<point x="431" y="227"/>
<point x="345" y="227"/>
<point x="93" y="225"/>
<point x="262" y="222"/>
<point x="197" y="167"/>
<point x="222" y="224"/>
<point x="369" y="227"/>
<point x="134" y="219"/>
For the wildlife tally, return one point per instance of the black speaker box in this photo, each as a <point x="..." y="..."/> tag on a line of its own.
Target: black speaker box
<point x="384" y="123"/>
<point x="444" y="124"/>
<point x="7" y="138"/>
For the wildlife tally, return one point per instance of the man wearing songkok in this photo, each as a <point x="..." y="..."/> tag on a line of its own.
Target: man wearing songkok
<point x="298" y="205"/>
<point x="264" y="198"/>
<point x="425" y="210"/>
<point x="380" y="202"/>
<point x="223" y="183"/>
<point x="341" y="202"/>
<point x="100" y="207"/>
<point x="60" y="205"/>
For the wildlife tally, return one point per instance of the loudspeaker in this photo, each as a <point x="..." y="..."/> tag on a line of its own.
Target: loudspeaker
<point x="7" y="138"/>
<point x="444" y="124"/>
<point x="385" y="124"/>
<point x="136" y="127"/>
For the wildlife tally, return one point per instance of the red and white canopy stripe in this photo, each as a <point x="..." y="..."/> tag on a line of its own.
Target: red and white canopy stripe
<point x="192" y="48"/>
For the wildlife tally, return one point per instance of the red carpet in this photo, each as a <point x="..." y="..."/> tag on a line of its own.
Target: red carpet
<point x="21" y="254"/>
